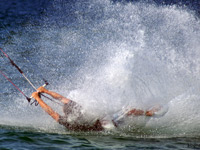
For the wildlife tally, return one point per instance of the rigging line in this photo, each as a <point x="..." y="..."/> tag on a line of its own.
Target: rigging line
<point x="51" y="99"/>
<point x="12" y="62"/>
<point x="34" y="66"/>
<point x="35" y="69"/>
<point x="41" y="94"/>
<point x="22" y="56"/>
<point x="29" y="99"/>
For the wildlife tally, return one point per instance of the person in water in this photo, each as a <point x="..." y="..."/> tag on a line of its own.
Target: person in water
<point x="72" y="108"/>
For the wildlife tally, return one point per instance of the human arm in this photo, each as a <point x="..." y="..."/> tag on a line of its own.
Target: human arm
<point x="53" y="94"/>
<point x="47" y="108"/>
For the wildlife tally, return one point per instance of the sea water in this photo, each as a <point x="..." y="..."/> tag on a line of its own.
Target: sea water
<point x="107" y="56"/>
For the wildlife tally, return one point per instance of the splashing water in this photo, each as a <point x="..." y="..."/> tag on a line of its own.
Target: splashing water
<point x="107" y="56"/>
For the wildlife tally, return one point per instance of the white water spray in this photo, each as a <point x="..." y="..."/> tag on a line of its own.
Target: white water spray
<point x="109" y="55"/>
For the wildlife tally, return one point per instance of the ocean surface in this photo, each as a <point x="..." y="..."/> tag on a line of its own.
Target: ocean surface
<point x="107" y="56"/>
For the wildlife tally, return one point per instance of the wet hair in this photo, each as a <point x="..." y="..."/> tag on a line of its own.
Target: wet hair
<point x="71" y="108"/>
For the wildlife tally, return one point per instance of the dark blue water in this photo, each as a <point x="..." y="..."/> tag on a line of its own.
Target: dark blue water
<point x="105" y="55"/>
